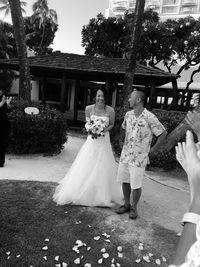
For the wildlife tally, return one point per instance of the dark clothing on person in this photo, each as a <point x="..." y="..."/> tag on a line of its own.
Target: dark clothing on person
<point x="4" y="131"/>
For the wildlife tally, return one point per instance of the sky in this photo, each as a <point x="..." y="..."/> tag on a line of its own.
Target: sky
<point x="72" y="15"/>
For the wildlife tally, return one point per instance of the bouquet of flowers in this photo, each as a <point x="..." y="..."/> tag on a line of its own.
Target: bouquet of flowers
<point x="95" y="127"/>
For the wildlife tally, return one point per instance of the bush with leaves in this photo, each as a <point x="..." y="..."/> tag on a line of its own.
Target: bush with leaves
<point x="43" y="133"/>
<point x="170" y="119"/>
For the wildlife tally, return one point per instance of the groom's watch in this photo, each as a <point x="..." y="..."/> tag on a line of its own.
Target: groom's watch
<point x="190" y="217"/>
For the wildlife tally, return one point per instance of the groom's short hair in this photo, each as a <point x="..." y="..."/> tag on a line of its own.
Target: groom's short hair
<point x="140" y="93"/>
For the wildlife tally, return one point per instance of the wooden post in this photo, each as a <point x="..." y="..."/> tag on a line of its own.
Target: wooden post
<point x="189" y="97"/>
<point x="63" y="94"/>
<point x="109" y="91"/>
<point x="77" y="86"/>
<point x="152" y="96"/>
<point x="43" y="90"/>
<point x="176" y="94"/>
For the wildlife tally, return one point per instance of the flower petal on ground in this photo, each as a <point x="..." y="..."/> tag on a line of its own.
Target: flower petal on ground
<point x="96" y="237"/>
<point x="64" y="264"/>
<point x="77" y="261"/>
<point x="150" y="254"/>
<point x="120" y="255"/>
<point x="100" y="261"/>
<point x="119" y="248"/>
<point x="18" y="256"/>
<point x="138" y="260"/>
<point x="107" y="240"/>
<point x="87" y="265"/>
<point x="103" y="250"/>
<point x="164" y="259"/>
<point x="8" y="252"/>
<point x="45" y="248"/>
<point x="146" y="258"/>
<point x="158" y="262"/>
<point x="178" y="234"/>
<point x="56" y="258"/>
<point x="88" y="248"/>
<point x="105" y="255"/>
<point x="45" y="258"/>
<point x="46" y="240"/>
<point x="58" y="265"/>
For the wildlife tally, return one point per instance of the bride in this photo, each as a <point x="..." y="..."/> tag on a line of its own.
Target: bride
<point x="91" y="180"/>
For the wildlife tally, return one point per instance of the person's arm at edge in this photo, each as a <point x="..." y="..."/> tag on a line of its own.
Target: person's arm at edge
<point x="111" y="120"/>
<point x="188" y="236"/>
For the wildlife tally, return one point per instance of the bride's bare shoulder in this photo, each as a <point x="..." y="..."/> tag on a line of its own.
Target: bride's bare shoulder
<point x="89" y="107"/>
<point x="110" y="109"/>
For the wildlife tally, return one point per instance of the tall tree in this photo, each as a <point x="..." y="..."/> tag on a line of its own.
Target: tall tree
<point x="42" y="12"/>
<point x="19" y="33"/>
<point x="34" y="35"/>
<point x="133" y="50"/>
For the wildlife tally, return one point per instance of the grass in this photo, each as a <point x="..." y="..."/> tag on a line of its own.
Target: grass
<point x="29" y="216"/>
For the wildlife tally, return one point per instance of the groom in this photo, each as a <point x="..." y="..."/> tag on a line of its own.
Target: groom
<point x="138" y="128"/>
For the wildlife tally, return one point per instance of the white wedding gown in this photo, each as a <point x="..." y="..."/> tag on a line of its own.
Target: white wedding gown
<point x="91" y="180"/>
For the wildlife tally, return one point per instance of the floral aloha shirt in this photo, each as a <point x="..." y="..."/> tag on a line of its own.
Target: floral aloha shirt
<point x="139" y="133"/>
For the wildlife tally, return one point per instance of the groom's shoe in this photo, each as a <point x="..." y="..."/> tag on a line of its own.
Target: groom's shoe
<point x="123" y="209"/>
<point x="133" y="213"/>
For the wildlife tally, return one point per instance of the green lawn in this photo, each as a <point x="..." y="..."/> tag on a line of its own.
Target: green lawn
<point x="29" y="216"/>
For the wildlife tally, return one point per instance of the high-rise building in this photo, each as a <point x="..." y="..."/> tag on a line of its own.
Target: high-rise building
<point x="165" y="8"/>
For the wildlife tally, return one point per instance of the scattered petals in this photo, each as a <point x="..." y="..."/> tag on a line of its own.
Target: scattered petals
<point x="78" y="222"/>
<point x="89" y="226"/>
<point x="107" y="240"/>
<point x="66" y="211"/>
<point x="8" y="252"/>
<point x="82" y="257"/>
<point x="100" y="261"/>
<point x="58" y="265"/>
<point x="125" y="221"/>
<point x="77" y="261"/>
<point x="96" y="237"/>
<point x="178" y="234"/>
<point x="18" y="256"/>
<point x="106" y="235"/>
<point x="113" y="260"/>
<point x="45" y="248"/>
<point x="112" y="265"/>
<point x="118" y="265"/>
<point x="56" y="258"/>
<point x="88" y="248"/>
<point x="105" y="255"/>
<point x="64" y="264"/>
<point x="46" y="239"/>
<point x="8" y="257"/>
<point x="119" y="248"/>
<point x="45" y="258"/>
<point x="138" y="260"/>
<point x="158" y="262"/>
<point x="87" y="265"/>
<point x="103" y="250"/>
<point x="76" y="249"/>
<point x="150" y="254"/>
<point x="146" y="258"/>
<point x="164" y="259"/>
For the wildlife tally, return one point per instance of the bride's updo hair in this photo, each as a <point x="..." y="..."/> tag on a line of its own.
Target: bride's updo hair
<point x="105" y="94"/>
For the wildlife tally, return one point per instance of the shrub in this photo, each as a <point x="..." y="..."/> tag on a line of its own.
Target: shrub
<point x="42" y="133"/>
<point x="170" y="119"/>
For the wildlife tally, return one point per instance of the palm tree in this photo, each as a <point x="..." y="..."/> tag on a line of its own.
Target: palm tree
<point x="42" y="12"/>
<point x="133" y="50"/>
<point x="6" y="6"/>
<point x="19" y="33"/>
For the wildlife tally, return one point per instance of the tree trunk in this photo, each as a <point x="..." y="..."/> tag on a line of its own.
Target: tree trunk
<point x="135" y="38"/>
<point x="19" y="33"/>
